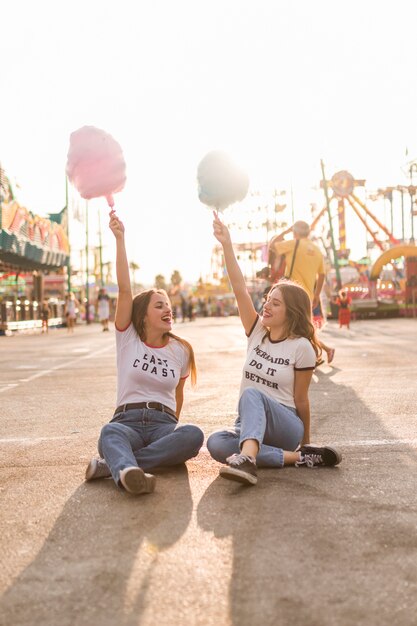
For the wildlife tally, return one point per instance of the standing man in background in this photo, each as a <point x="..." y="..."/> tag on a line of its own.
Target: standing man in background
<point x="304" y="264"/>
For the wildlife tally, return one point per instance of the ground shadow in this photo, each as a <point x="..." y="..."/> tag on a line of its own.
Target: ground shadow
<point x="96" y="564"/>
<point x="323" y="546"/>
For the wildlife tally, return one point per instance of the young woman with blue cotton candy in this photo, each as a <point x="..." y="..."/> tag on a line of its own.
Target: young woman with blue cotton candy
<point x="272" y="428"/>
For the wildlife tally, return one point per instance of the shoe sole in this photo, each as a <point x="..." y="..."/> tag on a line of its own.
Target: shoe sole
<point x="135" y="481"/>
<point x="91" y="469"/>
<point x="335" y="453"/>
<point x="238" y="476"/>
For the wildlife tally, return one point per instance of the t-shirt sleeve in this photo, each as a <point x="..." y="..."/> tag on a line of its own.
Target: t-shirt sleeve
<point x="126" y="335"/>
<point x="321" y="269"/>
<point x="282" y="247"/>
<point x="257" y="329"/>
<point x="305" y="357"/>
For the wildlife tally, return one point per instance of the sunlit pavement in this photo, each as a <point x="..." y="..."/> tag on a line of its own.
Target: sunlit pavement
<point x="324" y="546"/>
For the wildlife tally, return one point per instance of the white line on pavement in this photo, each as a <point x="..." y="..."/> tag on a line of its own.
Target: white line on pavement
<point x="377" y="442"/>
<point x="58" y="367"/>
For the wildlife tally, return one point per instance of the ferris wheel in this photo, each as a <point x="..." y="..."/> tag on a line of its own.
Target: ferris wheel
<point x="342" y="186"/>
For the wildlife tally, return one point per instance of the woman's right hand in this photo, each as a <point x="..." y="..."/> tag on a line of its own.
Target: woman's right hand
<point x="220" y="230"/>
<point x="116" y="225"/>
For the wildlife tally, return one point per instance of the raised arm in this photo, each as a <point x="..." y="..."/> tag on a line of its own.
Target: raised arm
<point x="124" y="300"/>
<point x="247" y="310"/>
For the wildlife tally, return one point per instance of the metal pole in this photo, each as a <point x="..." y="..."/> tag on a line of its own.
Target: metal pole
<point x="336" y="261"/>
<point x="69" y="246"/>
<point x="412" y="166"/>
<point x="100" y="250"/>
<point x="392" y="211"/>
<point x="87" y="292"/>
<point x="402" y="215"/>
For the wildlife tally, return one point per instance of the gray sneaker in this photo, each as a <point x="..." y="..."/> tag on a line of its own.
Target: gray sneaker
<point x="97" y="468"/>
<point x="241" y="468"/>
<point x="135" y="481"/>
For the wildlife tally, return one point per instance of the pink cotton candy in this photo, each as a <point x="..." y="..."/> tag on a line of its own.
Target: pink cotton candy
<point x="95" y="164"/>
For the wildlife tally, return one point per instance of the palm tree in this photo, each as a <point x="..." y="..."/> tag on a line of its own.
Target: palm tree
<point x="160" y="282"/>
<point x="134" y="267"/>
<point x="176" y="278"/>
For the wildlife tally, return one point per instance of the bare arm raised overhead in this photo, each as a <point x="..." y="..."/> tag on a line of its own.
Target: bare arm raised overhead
<point x="124" y="300"/>
<point x="247" y="310"/>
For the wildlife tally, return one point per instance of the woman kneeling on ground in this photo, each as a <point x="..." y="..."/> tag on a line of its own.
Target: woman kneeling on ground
<point x="152" y="367"/>
<point x="273" y="424"/>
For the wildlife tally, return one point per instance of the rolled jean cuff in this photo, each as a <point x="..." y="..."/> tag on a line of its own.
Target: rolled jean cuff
<point x="250" y="438"/>
<point x="280" y="457"/>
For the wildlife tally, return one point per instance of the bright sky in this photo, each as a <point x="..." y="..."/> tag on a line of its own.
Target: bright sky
<point x="278" y="84"/>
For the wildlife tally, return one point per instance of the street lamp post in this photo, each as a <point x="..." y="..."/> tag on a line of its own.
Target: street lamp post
<point x="87" y="288"/>
<point x="335" y="258"/>
<point x="68" y="237"/>
<point x="100" y="250"/>
<point x="401" y="190"/>
<point x="412" y="191"/>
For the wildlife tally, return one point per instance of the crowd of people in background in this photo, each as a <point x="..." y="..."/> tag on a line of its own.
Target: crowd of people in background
<point x="186" y="307"/>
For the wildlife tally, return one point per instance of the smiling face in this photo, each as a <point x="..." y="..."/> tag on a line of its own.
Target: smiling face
<point x="274" y="314"/>
<point x="158" y="314"/>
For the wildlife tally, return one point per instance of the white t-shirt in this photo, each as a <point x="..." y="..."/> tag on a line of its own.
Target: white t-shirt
<point x="146" y="373"/>
<point x="270" y="365"/>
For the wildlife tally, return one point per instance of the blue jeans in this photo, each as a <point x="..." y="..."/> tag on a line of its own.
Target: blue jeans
<point x="148" y="439"/>
<point x="274" y="426"/>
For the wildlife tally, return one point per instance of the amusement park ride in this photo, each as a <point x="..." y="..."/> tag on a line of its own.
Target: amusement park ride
<point x="369" y="292"/>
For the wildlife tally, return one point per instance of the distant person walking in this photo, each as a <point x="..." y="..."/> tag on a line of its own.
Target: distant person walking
<point x="45" y="315"/>
<point x="103" y="308"/>
<point x="343" y="302"/>
<point x="71" y="305"/>
<point x="274" y="409"/>
<point x="153" y="365"/>
<point x="304" y="264"/>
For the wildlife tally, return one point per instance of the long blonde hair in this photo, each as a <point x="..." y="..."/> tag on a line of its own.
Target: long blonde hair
<point x="298" y="312"/>
<point x="140" y="308"/>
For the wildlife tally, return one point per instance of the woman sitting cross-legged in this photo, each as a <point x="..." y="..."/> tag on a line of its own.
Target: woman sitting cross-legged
<point x="273" y="424"/>
<point x="152" y="367"/>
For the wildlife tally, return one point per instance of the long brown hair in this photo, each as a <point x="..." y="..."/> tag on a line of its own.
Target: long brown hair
<point x="140" y="308"/>
<point x="298" y="312"/>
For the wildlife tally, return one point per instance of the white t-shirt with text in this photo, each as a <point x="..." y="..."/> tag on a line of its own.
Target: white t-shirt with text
<point x="270" y="365"/>
<point x="146" y="373"/>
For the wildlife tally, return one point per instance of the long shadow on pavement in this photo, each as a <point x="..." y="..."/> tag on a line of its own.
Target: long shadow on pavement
<point x="325" y="546"/>
<point x="97" y="563"/>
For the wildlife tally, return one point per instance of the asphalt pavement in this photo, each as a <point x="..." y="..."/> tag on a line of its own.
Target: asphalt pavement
<point x="324" y="547"/>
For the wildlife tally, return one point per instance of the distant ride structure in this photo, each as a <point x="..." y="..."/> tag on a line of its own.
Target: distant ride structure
<point x="372" y="295"/>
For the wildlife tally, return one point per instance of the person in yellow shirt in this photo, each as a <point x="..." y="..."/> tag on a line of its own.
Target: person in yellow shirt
<point x="304" y="264"/>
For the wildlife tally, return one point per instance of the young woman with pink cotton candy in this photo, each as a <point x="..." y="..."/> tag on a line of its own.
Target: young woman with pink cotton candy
<point x="153" y="364"/>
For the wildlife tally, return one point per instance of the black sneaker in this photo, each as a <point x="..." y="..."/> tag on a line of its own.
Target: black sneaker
<point x="314" y="456"/>
<point x="97" y="468"/>
<point x="241" y="468"/>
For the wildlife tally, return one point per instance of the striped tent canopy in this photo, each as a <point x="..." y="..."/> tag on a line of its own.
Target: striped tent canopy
<point x="28" y="241"/>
